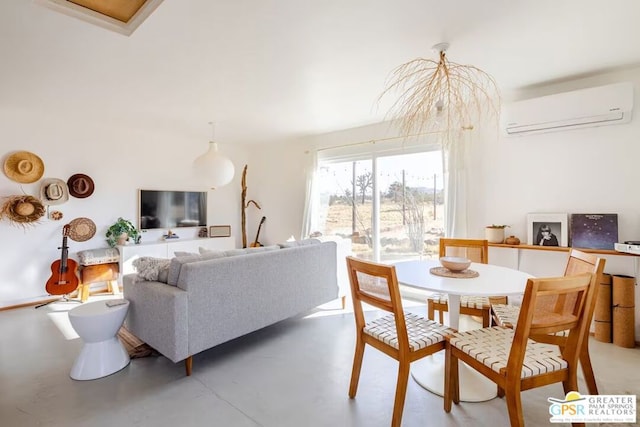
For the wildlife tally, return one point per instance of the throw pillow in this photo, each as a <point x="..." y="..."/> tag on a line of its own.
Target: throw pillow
<point x="98" y="256"/>
<point x="206" y="251"/>
<point x="234" y="252"/>
<point x="212" y="255"/>
<point x="181" y="253"/>
<point x="176" y="263"/>
<point x="152" y="269"/>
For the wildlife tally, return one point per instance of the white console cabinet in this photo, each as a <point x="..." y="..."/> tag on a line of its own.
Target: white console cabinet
<point x="167" y="249"/>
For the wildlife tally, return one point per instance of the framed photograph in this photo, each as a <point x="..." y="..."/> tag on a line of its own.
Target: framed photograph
<point x="547" y="229"/>
<point x="594" y="231"/>
<point x="220" y="231"/>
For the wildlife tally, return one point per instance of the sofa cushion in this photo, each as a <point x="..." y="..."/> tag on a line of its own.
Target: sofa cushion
<point x="235" y="252"/>
<point x="182" y="253"/>
<point x="152" y="269"/>
<point x="210" y="251"/>
<point x="99" y="256"/>
<point x="262" y="249"/>
<point x="176" y="263"/>
<point x="212" y="255"/>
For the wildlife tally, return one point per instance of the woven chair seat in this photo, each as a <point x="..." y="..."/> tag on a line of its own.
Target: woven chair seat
<point x="507" y="316"/>
<point x="422" y="332"/>
<point x="491" y="347"/>
<point x="470" y="301"/>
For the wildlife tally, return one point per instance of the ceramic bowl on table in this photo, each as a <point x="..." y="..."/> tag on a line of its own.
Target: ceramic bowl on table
<point x="454" y="263"/>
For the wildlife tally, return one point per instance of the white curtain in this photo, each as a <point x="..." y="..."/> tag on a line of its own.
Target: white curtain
<point x="311" y="197"/>
<point x="456" y="160"/>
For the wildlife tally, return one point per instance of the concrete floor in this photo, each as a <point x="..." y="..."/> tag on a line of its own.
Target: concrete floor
<point x="295" y="373"/>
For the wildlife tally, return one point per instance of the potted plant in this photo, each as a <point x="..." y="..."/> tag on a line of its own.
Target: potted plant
<point x="494" y="233"/>
<point x="120" y="232"/>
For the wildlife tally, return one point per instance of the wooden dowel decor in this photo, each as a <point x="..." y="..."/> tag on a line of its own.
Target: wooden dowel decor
<point x="245" y="205"/>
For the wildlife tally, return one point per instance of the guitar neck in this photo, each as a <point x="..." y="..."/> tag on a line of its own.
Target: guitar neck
<point x="64" y="256"/>
<point x="258" y="233"/>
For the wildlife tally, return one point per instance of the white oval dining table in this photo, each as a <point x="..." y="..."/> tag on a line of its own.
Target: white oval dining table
<point x="491" y="280"/>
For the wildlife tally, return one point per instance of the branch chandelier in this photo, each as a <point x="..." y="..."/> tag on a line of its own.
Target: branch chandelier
<point x="441" y="96"/>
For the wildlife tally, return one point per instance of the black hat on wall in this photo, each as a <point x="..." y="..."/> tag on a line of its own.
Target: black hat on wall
<point x="80" y="185"/>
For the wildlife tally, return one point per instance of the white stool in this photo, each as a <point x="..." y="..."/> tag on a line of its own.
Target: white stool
<point x="97" y="324"/>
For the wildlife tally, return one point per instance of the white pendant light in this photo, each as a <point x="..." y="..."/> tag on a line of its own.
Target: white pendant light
<point x="213" y="168"/>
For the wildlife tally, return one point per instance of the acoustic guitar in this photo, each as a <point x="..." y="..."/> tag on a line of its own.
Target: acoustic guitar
<point x="255" y="243"/>
<point x="63" y="279"/>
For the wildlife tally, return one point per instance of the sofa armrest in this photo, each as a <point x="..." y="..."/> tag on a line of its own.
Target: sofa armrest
<point x="158" y="316"/>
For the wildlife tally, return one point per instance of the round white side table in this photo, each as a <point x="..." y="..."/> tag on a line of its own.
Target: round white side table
<point x="97" y="323"/>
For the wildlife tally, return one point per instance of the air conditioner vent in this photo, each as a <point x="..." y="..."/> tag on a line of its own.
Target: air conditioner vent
<point x="598" y="106"/>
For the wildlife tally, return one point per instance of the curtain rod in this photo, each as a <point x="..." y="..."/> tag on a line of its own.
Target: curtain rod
<point x="373" y="141"/>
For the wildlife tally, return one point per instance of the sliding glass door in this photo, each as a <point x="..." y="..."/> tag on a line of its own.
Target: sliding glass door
<point x="389" y="204"/>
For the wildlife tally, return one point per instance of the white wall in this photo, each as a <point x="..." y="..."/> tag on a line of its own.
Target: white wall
<point x="120" y="161"/>
<point x="590" y="170"/>
<point x="276" y="180"/>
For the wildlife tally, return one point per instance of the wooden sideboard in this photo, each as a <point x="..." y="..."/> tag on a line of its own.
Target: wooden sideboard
<point x="513" y="256"/>
<point x="560" y="249"/>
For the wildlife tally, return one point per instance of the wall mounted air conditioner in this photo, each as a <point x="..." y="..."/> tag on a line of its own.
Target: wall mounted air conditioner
<point x="597" y="106"/>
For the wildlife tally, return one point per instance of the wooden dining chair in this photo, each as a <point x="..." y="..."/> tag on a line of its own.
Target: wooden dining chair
<point x="404" y="337"/>
<point x="578" y="262"/>
<point x="480" y="306"/>
<point x="511" y="358"/>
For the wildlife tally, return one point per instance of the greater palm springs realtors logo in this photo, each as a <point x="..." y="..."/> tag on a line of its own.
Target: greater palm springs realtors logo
<point x="593" y="408"/>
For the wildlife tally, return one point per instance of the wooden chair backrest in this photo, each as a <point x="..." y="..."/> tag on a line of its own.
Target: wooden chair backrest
<point x="377" y="285"/>
<point x="476" y="250"/>
<point x="552" y="305"/>
<point x="581" y="262"/>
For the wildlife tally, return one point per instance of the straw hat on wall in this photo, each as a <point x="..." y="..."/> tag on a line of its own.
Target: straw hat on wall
<point x="22" y="210"/>
<point x="24" y="167"/>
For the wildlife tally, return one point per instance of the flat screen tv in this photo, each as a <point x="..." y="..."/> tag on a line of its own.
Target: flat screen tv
<point x="170" y="209"/>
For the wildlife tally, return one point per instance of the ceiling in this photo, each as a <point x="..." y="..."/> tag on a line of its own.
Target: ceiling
<point x="275" y="70"/>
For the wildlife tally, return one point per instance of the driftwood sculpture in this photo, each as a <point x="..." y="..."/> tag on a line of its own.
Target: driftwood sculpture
<point x="245" y="205"/>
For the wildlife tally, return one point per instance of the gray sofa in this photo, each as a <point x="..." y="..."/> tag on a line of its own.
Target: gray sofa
<point x="216" y="297"/>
